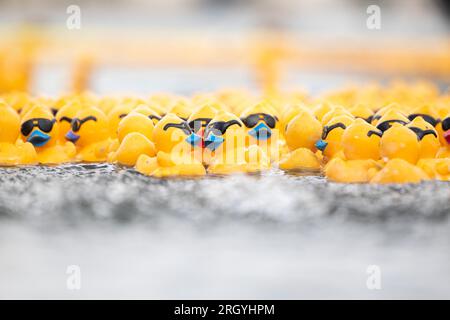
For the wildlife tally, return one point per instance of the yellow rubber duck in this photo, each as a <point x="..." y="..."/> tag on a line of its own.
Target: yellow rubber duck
<point x="39" y="127"/>
<point x="90" y="134"/>
<point x="149" y="112"/>
<point x="134" y="137"/>
<point x="335" y="112"/>
<point x="263" y="128"/>
<point x="197" y="121"/>
<point x="382" y="111"/>
<point x="225" y="138"/>
<point x="322" y="109"/>
<point x="361" y="148"/>
<point x="362" y="111"/>
<point x="427" y="112"/>
<point x="390" y="117"/>
<point x="400" y="142"/>
<point x="438" y="169"/>
<point x="289" y="113"/>
<point x="331" y="141"/>
<point x="181" y="108"/>
<point x="399" y="171"/>
<point x="173" y="139"/>
<point x="13" y="151"/>
<point x="116" y="115"/>
<point x="64" y="118"/>
<point x="427" y="135"/>
<point x="302" y="133"/>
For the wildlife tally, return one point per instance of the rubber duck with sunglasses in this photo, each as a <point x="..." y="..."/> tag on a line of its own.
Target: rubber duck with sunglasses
<point x="39" y="127"/>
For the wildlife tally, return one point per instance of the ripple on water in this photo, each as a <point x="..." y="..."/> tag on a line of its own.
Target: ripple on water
<point x="103" y="191"/>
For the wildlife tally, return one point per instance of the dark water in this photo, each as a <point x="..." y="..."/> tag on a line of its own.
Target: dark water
<point x="269" y="236"/>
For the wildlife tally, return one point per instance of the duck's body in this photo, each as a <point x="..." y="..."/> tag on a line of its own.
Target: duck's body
<point x="134" y="133"/>
<point x="12" y="150"/>
<point x="399" y="171"/>
<point x="172" y="138"/>
<point x="361" y="150"/>
<point x="302" y="133"/>
<point x="90" y="134"/>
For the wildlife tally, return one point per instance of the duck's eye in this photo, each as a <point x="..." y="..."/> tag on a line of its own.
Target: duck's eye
<point x="123" y="115"/>
<point x="327" y="129"/>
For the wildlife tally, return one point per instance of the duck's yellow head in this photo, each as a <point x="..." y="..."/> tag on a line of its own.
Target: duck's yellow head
<point x="64" y="118"/>
<point x="362" y="111"/>
<point x="39" y="127"/>
<point x="321" y="110"/>
<point x="17" y="100"/>
<point x="289" y="113"/>
<point x="303" y="131"/>
<point x="427" y="135"/>
<point x="116" y="115"/>
<point x="260" y="120"/>
<point x="90" y="125"/>
<point x="400" y="142"/>
<point x="336" y="111"/>
<point x="361" y="141"/>
<point x="9" y="124"/>
<point x="382" y="111"/>
<point x="149" y="112"/>
<point x="199" y="118"/>
<point x="171" y="131"/>
<point x="390" y="117"/>
<point x="427" y="112"/>
<point x="331" y="141"/>
<point x="181" y="108"/>
<point x="135" y="122"/>
<point x="225" y="130"/>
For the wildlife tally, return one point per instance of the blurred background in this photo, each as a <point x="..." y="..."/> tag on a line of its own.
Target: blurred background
<point x="185" y="46"/>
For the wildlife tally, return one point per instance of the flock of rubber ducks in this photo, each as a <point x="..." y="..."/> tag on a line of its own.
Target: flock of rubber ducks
<point x="371" y="134"/>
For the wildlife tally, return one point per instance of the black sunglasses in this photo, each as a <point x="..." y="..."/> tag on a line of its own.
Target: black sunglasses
<point x="253" y="119"/>
<point x="182" y="126"/>
<point x="77" y="123"/>
<point x="446" y="124"/>
<point x="327" y="129"/>
<point x="431" y="120"/>
<point x="385" y="125"/>
<point x="67" y="119"/>
<point x="422" y="133"/>
<point x="220" y="126"/>
<point x="152" y="117"/>
<point x="44" y="125"/>
<point x="377" y="133"/>
<point x="199" y="123"/>
<point x="368" y="119"/>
